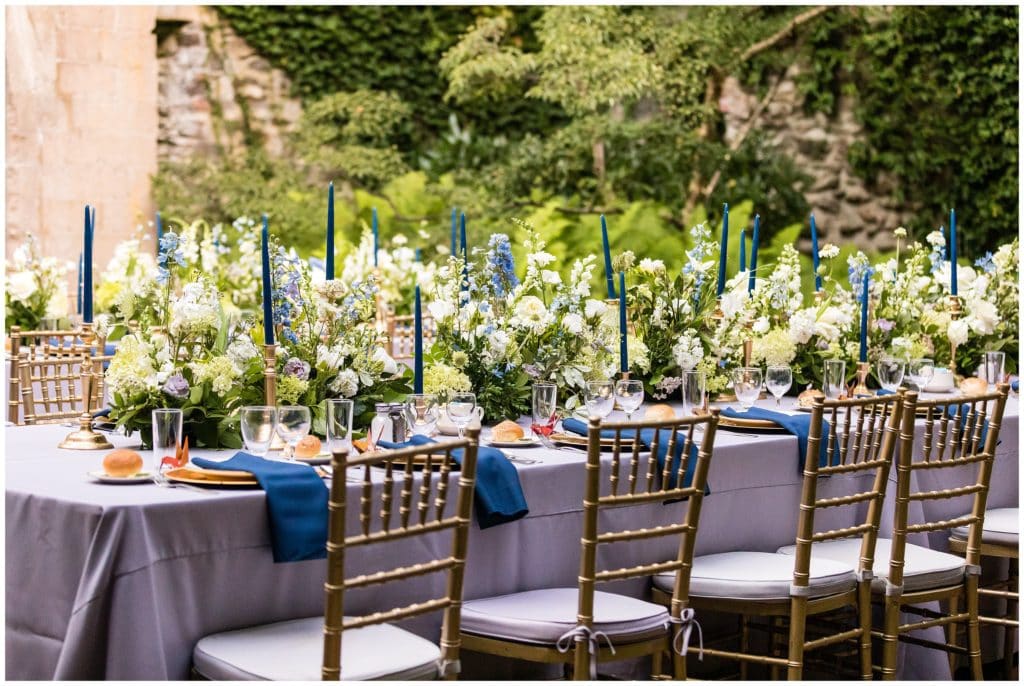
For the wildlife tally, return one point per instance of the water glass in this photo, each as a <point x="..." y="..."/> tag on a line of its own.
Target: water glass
<point x="778" y="379"/>
<point x="545" y="408"/>
<point x="167" y="428"/>
<point x="890" y="373"/>
<point x="694" y="385"/>
<point x="339" y="426"/>
<point x="421" y="413"/>
<point x="746" y="384"/>
<point x="461" y="409"/>
<point x="921" y="371"/>
<point x="834" y="381"/>
<point x="992" y="367"/>
<point x="258" y="425"/>
<point x="600" y="398"/>
<point x="630" y="396"/>
<point x="293" y="423"/>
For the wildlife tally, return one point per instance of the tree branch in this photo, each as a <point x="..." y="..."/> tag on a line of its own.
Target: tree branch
<point x="784" y="33"/>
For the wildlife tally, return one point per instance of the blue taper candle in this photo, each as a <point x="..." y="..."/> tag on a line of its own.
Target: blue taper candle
<point x="268" y="310"/>
<point x="755" y="239"/>
<point x="609" y="279"/>
<point x="419" y="255"/>
<point x="159" y="231"/>
<point x="462" y="237"/>
<point x="952" y="252"/>
<point x="864" y="318"/>
<point x="454" y="217"/>
<point x="376" y="237"/>
<point x="743" y="250"/>
<point x="724" y="251"/>
<point x="623" y="351"/>
<point x="815" y="258"/>
<point x="329" y="260"/>
<point x="79" y="310"/>
<point x="90" y="228"/>
<point x="417" y="376"/>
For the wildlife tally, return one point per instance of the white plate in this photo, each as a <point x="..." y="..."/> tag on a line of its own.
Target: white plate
<point x="524" y="442"/>
<point x="104" y="478"/>
<point x="322" y="458"/>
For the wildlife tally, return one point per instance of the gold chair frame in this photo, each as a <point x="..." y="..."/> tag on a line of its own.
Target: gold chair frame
<point x="401" y="334"/>
<point x="653" y="488"/>
<point x="961" y="435"/>
<point x="422" y="505"/>
<point x="863" y="446"/>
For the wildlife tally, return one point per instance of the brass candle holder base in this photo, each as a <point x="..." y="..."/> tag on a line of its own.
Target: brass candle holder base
<point x="863" y="369"/>
<point x="85" y="438"/>
<point x="954" y="314"/>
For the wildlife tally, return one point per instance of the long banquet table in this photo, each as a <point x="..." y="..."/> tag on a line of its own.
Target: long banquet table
<point x="119" y="582"/>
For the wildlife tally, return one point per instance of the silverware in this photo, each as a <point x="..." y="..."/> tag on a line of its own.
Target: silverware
<point x="162" y="481"/>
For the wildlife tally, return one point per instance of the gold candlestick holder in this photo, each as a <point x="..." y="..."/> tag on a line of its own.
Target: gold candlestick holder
<point x="85" y="438"/>
<point x="270" y="374"/>
<point x="863" y="369"/>
<point x="955" y="311"/>
<point x="819" y="296"/>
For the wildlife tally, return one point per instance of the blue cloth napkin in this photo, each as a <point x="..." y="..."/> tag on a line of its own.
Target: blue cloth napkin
<point x="296" y="504"/>
<point x="955" y="411"/>
<point x="577" y="426"/>
<point x="1015" y="385"/>
<point x="797" y="424"/>
<point x="498" y="496"/>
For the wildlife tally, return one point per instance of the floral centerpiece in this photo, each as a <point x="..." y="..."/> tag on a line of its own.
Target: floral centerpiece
<point x="127" y="289"/>
<point x="35" y="287"/>
<point x="329" y="344"/>
<point x="397" y="272"/>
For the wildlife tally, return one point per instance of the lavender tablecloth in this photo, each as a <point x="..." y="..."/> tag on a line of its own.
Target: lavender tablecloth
<point x="119" y="582"/>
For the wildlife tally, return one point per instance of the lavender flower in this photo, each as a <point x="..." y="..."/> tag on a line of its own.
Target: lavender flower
<point x="885" y="325"/>
<point x="297" y="368"/>
<point x="176" y="386"/>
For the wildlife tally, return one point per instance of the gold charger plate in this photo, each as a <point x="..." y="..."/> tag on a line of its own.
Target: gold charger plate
<point x="745" y="424"/>
<point x="576" y="439"/>
<point x="212" y="477"/>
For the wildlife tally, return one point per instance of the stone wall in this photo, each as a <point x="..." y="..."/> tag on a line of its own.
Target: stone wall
<point x="844" y="209"/>
<point x="217" y="95"/>
<point x="81" y="124"/>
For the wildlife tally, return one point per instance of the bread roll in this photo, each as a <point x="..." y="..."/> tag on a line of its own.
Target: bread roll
<point x="973" y="385"/>
<point x="309" y="446"/>
<point x="507" y="432"/>
<point x="659" y="412"/>
<point x="806" y="399"/>
<point x="122" y="462"/>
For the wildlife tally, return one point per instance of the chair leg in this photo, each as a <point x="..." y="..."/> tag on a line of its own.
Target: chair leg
<point x="797" y="633"/>
<point x="678" y="665"/>
<point x="656" y="665"/>
<point x="973" y="629"/>
<point x="774" y="624"/>
<point x="952" y="631"/>
<point x="1010" y="633"/>
<point x="864" y="617"/>
<point x="581" y="668"/>
<point x="744" y="645"/>
<point x="890" y="637"/>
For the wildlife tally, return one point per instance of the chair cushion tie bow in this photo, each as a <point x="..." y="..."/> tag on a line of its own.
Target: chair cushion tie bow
<point x="685" y="623"/>
<point x="582" y="633"/>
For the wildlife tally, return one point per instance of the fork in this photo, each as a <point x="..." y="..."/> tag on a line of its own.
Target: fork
<point x="161" y="480"/>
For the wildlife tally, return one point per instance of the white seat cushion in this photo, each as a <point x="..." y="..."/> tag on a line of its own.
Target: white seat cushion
<point x="1002" y="527"/>
<point x="543" y="615"/>
<point x="758" y="576"/>
<point x="922" y="567"/>
<point x="293" y="651"/>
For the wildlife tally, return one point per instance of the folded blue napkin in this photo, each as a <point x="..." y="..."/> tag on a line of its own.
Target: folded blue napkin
<point x="498" y="496"/>
<point x="577" y="426"/>
<point x="954" y="411"/>
<point x="797" y="424"/>
<point x="296" y="504"/>
<point x="1015" y="385"/>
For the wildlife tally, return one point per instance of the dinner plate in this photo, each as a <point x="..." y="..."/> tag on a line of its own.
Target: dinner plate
<point x="743" y="424"/>
<point x="322" y="458"/>
<point x="220" y="478"/>
<point x="104" y="478"/>
<point x="524" y="442"/>
<point x="576" y="439"/>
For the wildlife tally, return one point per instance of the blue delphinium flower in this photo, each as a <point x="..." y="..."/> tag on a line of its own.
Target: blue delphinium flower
<point x="169" y="252"/>
<point x="986" y="263"/>
<point x="501" y="265"/>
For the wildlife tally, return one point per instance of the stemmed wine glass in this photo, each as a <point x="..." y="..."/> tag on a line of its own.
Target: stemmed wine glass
<point x="421" y="413"/>
<point x="293" y="422"/>
<point x="834" y="381"/>
<point x="630" y="396"/>
<point x="258" y="424"/>
<point x="461" y="408"/>
<point x="890" y="372"/>
<point x="545" y="409"/>
<point x="600" y="398"/>
<point x="778" y="379"/>
<point x="746" y="383"/>
<point x="921" y="370"/>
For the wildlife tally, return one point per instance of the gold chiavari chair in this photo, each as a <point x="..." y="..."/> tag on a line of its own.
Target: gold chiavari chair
<point x="367" y="647"/>
<point x="796" y="582"/>
<point x="1000" y="539"/>
<point x="401" y="333"/>
<point x="566" y="625"/>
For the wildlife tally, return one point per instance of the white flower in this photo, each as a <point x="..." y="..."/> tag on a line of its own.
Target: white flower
<point x="761" y="325"/>
<point x="497" y="343"/>
<point x="346" y="383"/>
<point x="653" y="266"/>
<point x="688" y="351"/>
<point x="541" y="258"/>
<point x="196" y="311"/>
<point x="958" y="331"/>
<point x="936" y="238"/>
<point x="983" y="317"/>
<point x="828" y="251"/>
<point x="550" y="277"/>
<point x="390" y="366"/>
<point x="532" y="314"/>
<point x="594" y="308"/>
<point x="801" y="325"/>
<point x="21" y="285"/>
<point x="441" y="310"/>
<point x="57" y="306"/>
<point x="573" y="323"/>
<point x="240" y="351"/>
